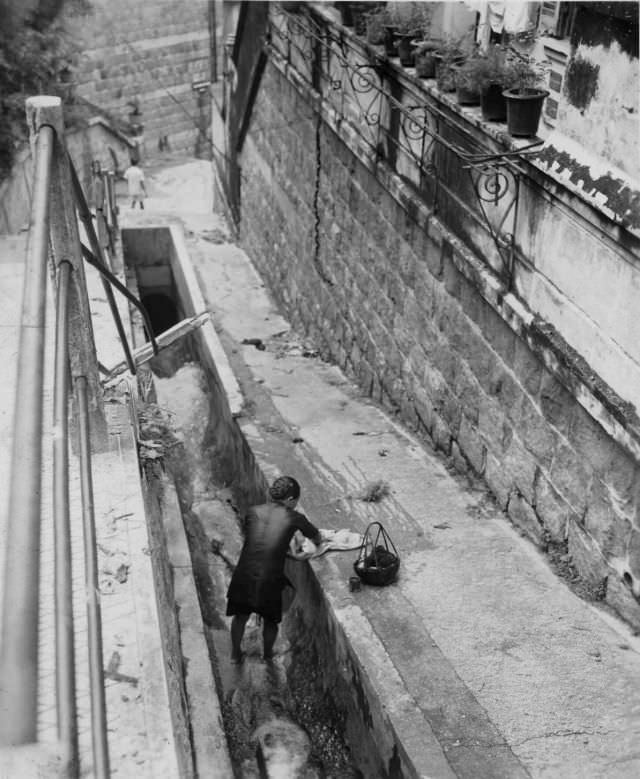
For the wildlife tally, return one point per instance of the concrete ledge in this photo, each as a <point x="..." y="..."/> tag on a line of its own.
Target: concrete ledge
<point x="208" y="740"/>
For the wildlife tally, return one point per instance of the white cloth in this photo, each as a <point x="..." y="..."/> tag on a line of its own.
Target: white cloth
<point x="518" y="16"/>
<point x="512" y="16"/>
<point x="135" y="179"/>
<point x="302" y="548"/>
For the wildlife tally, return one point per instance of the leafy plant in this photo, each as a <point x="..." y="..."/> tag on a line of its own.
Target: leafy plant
<point x="482" y="69"/>
<point x="376" y="19"/>
<point x="405" y="18"/>
<point x="526" y="73"/>
<point x="453" y="51"/>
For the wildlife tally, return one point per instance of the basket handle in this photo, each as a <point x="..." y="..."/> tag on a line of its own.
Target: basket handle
<point x="367" y="539"/>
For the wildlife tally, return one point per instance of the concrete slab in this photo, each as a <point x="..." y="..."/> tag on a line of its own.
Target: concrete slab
<point x="511" y="672"/>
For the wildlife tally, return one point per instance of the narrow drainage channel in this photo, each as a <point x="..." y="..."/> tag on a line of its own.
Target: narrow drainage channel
<point x="278" y="720"/>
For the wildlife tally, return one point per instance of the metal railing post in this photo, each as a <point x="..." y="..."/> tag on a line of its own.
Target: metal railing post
<point x="19" y="653"/>
<point x="65" y="245"/>
<point x="65" y="650"/>
<point x="94" y="627"/>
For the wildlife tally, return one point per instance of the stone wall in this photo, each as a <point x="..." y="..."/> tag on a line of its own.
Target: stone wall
<point x="148" y="52"/>
<point x="407" y="311"/>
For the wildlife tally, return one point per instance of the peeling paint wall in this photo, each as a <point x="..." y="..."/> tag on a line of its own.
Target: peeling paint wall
<point x="607" y="124"/>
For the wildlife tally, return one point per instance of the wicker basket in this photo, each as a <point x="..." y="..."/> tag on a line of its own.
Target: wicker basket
<point x="378" y="561"/>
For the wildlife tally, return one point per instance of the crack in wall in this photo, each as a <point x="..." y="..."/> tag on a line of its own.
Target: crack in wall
<point x="316" y="206"/>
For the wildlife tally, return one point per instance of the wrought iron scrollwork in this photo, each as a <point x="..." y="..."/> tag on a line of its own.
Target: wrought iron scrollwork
<point x="357" y="82"/>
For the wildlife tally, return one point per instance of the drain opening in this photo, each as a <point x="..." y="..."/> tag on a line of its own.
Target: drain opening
<point x="162" y="310"/>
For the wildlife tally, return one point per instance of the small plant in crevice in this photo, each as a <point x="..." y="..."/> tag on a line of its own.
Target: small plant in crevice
<point x="156" y="435"/>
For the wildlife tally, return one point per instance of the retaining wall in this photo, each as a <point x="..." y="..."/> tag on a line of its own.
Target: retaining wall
<point x="402" y="306"/>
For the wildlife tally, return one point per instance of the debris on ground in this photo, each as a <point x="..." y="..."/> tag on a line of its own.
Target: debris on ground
<point x="214" y="236"/>
<point x="156" y="435"/>
<point x="257" y="342"/>
<point x="375" y="491"/>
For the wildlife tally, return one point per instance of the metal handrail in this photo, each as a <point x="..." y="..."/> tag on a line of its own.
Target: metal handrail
<point x="19" y="652"/>
<point x="96" y="671"/>
<point x="65" y="676"/>
<point x="54" y="180"/>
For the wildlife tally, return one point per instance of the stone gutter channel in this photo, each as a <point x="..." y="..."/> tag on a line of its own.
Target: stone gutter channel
<point x="478" y="663"/>
<point x="199" y="473"/>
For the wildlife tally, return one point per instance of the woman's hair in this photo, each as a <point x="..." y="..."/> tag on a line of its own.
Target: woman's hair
<point x="283" y="488"/>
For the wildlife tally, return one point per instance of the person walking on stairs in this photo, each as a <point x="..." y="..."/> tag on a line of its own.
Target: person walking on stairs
<point x="135" y="179"/>
<point x="258" y="580"/>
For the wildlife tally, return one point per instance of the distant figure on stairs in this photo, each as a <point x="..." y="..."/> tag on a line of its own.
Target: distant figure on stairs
<point x="135" y="179"/>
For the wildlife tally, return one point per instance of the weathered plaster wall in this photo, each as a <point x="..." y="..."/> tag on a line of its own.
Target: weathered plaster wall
<point x="607" y="121"/>
<point x="150" y="52"/>
<point x="402" y="307"/>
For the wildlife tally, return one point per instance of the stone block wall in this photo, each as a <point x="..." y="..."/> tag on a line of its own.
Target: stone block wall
<point x="148" y="52"/>
<point x="400" y="305"/>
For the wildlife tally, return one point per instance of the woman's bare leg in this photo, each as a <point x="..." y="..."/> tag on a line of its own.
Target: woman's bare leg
<point x="269" y="635"/>
<point x="238" y="624"/>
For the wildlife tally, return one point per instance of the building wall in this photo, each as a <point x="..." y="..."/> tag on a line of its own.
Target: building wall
<point x="150" y="52"/>
<point x="404" y="308"/>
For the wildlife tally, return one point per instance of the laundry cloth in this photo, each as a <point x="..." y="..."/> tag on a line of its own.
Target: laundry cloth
<point x="302" y="548"/>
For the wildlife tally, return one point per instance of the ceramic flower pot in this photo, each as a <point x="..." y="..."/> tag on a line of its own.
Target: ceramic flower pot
<point x="524" y="107"/>
<point x="425" y="58"/>
<point x="390" y="47"/>
<point x="405" y="49"/>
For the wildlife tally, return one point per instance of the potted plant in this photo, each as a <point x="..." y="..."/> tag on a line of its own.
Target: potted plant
<point x="487" y="74"/>
<point x="525" y="95"/>
<point x="383" y="20"/>
<point x="467" y="89"/>
<point x="451" y="52"/>
<point x="425" y="57"/>
<point x="412" y="20"/>
<point x="355" y="15"/>
<point x="375" y="20"/>
<point x="401" y="23"/>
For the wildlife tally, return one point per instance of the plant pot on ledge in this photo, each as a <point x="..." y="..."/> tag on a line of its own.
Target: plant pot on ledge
<point x="425" y="57"/>
<point x="405" y="48"/>
<point x="524" y="107"/>
<point x="467" y="92"/>
<point x="445" y="71"/>
<point x="493" y="103"/>
<point x="390" y="47"/>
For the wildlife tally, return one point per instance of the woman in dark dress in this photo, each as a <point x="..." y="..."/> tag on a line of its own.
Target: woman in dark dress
<point x="258" y="580"/>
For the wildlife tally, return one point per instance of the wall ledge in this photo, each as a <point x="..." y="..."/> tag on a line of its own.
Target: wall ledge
<point x="616" y="201"/>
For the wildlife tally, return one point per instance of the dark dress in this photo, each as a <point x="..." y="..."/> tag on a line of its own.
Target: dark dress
<point x="257" y="582"/>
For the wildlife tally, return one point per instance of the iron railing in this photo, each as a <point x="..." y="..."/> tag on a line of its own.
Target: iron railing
<point x="54" y="234"/>
<point x="470" y="186"/>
